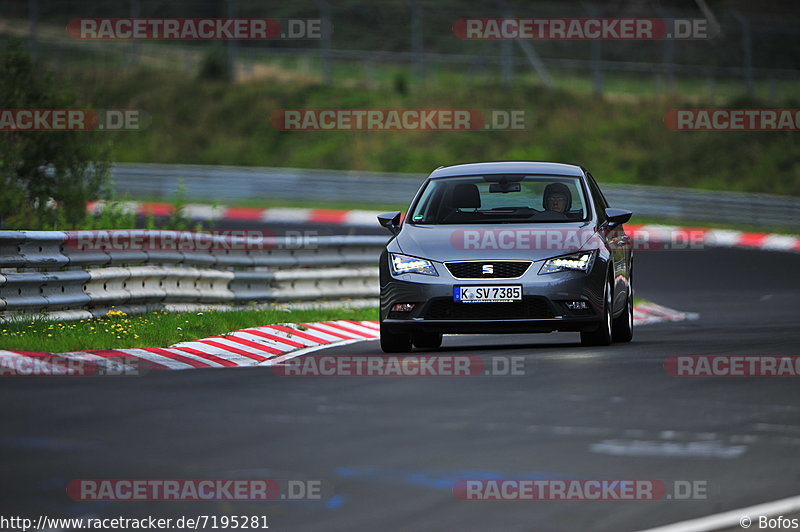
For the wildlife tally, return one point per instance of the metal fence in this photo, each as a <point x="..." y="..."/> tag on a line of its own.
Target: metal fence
<point x="747" y="47"/>
<point x="604" y="75"/>
<point x="66" y="276"/>
<point x="231" y="183"/>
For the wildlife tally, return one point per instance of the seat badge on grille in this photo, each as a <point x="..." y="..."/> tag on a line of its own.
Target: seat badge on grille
<point x="487" y="269"/>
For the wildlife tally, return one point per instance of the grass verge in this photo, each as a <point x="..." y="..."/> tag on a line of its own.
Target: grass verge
<point x="159" y="329"/>
<point x="207" y="122"/>
<point x="156" y="329"/>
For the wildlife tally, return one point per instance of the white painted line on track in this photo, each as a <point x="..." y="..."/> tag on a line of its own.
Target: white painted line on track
<point x="733" y="518"/>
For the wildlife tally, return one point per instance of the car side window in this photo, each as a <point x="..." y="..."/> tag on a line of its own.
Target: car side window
<point x="599" y="200"/>
<point x="428" y="204"/>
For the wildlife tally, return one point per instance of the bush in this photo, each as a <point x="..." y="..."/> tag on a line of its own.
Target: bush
<point x="46" y="176"/>
<point x="215" y="64"/>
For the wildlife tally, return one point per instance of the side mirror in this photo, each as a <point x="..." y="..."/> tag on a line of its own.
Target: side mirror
<point x="391" y="221"/>
<point x="617" y="217"/>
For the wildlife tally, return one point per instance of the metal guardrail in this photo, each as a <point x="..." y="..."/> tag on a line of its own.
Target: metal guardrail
<point x="227" y="183"/>
<point x="56" y="273"/>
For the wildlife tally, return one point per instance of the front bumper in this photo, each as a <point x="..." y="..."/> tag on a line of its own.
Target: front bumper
<point x="543" y="308"/>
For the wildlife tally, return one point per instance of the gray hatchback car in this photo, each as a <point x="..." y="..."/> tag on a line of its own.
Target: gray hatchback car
<point x="506" y="247"/>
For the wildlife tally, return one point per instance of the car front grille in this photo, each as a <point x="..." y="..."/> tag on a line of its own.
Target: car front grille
<point x="528" y="308"/>
<point x="500" y="270"/>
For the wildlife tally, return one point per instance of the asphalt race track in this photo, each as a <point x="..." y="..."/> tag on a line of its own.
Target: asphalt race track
<point x="388" y="450"/>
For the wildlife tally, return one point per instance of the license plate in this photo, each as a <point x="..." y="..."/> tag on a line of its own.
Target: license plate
<point x="487" y="294"/>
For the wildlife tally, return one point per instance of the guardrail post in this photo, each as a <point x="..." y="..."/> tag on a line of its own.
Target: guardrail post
<point x="596" y="45"/>
<point x="135" y="50"/>
<point x="536" y="62"/>
<point x="2" y="283"/>
<point x="417" y="45"/>
<point x="747" y="49"/>
<point x="711" y="82"/>
<point x="325" y="42"/>
<point x="597" y="67"/>
<point x="507" y="57"/>
<point x="773" y="92"/>
<point x="33" y="17"/>
<point x="669" y="55"/>
<point x="233" y="9"/>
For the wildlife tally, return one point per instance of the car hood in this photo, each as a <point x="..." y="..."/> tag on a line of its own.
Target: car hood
<point x="494" y="242"/>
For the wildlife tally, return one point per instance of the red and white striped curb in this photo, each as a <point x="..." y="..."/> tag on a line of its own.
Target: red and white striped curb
<point x="700" y="237"/>
<point x="647" y="313"/>
<point x="291" y="215"/>
<point x="247" y="347"/>
<point x="267" y="345"/>
<point x="680" y="236"/>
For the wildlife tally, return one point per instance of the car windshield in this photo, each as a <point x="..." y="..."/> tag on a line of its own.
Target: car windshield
<point x="497" y="198"/>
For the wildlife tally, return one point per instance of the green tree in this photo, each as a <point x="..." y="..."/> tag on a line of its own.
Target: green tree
<point x="46" y="177"/>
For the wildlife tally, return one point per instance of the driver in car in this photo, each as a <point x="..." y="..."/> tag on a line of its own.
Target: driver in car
<point x="557" y="198"/>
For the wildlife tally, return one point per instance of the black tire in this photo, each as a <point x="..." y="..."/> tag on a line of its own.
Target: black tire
<point x="394" y="342"/>
<point x="623" y="325"/>
<point x="427" y="340"/>
<point x="603" y="334"/>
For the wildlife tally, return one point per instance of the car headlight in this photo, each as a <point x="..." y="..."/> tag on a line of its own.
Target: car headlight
<point x="405" y="264"/>
<point x="581" y="262"/>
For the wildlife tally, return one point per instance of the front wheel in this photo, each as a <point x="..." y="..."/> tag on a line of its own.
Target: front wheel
<point x="393" y="342"/>
<point x="623" y="325"/>
<point x="602" y="335"/>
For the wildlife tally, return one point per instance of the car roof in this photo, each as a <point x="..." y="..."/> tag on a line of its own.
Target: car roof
<point x="508" y="167"/>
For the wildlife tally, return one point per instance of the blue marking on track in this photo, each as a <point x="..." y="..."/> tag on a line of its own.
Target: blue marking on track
<point x="335" y="502"/>
<point x="439" y="478"/>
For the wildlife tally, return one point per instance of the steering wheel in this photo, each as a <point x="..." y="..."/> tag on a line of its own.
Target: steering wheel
<point x="553" y="215"/>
